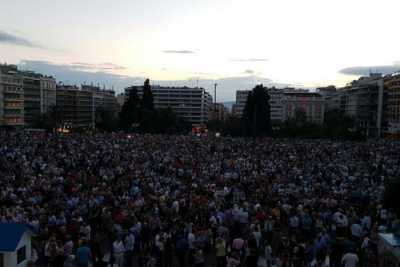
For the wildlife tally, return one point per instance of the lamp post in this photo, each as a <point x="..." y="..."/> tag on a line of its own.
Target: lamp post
<point x="215" y="97"/>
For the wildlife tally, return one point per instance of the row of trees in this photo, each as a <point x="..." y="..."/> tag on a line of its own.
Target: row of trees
<point x="139" y="115"/>
<point x="256" y="121"/>
<point x="337" y="125"/>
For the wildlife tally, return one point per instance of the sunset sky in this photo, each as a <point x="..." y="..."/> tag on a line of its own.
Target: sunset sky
<point x="237" y="44"/>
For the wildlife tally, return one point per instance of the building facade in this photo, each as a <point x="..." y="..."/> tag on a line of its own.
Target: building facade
<point x="48" y="93"/>
<point x="192" y="104"/>
<point x="102" y="98"/>
<point x="392" y="87"/>
<point x="32" y="97"/>
<point x="276" y="105"/>
<point x="238" y="106"/>
<point x="11" y="96"/>
<point x="120" y="100"/>
<point x="25" y="96"/>
<point x="39" y="95"/>
<point x="75" y="106"/>
<point x="365" y="101"/>
<point x="280" y="100"/>
<point x="313" y="104"/>
<point x="219" y="112"/>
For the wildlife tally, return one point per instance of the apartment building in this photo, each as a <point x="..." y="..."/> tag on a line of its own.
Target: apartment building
<point x="193" y="104"/>
<point x="75" y="106"/>
<point x="313" y="104"/>
<point x="102" y="97"/>
<point x="48" y="94"/>
<point x="219" y="112"/>
<point x="276" y="102"/>
<point x="25" y="96"/>
<point x="238" y="106"/>
<point x="364" y="100"/>
<point x="32" y="97"/>
<point x="392" y="87"/>
<point x="11" y="96"/>
<point x="39" y="95"/>
<point x="276" y="105"/>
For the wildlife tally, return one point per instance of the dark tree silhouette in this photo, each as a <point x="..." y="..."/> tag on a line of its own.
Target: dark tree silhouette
<point x="148" y="101"/>
<point x="130" y="112"/>
<point x="391" y="196"/>
<point x="50" y="120"/>
<point x="338" y="125"/>
<point x="106" y="120"/>
<point x="257" y="113"/>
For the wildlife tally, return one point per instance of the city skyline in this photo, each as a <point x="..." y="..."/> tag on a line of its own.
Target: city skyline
<point x="197" y="43"/>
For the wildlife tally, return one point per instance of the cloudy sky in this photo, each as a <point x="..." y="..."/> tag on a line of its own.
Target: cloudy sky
<point x="237" y="44"/>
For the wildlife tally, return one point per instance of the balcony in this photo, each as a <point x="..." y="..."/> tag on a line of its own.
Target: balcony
<point x="13" y="107"/>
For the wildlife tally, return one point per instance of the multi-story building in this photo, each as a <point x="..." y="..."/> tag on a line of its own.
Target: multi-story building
<point x="238" y="106"/>
<point x="364" y="101"/>
<point x="332" y="97"/>
<point x="120" y="100"/>
<point x="11" y="96"/>
<point x="75" y="106"/>
<point x="334" y="101"/>
<point x="193" y="104"/>
<point x="392" y="87"/>
<point x="102" y="98"/>
<point x="32" y="97"/>
<point x="276" y="105"/>
<point x="219" y="112"/>
<point x="35" y="97"/>
<point x="48" y="94"/>
<point x="276" y="102"/>
<point x="313" y="104"/>
<point x="39" y="95"/>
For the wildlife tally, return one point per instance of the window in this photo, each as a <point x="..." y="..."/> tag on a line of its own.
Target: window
<point x="1" y="260"/>
<point x="21" y="254"/>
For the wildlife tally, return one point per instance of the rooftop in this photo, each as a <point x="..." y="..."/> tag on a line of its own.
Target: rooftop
<point x="11" y="234"/>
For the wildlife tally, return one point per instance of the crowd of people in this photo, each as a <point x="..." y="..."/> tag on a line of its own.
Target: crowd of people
<point x="162" y="201"/>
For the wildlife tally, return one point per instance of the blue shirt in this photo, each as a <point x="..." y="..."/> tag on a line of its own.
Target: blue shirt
<point x="83" y="255"/>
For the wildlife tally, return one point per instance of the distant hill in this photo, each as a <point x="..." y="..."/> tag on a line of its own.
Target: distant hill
<point x="228" y="104"/>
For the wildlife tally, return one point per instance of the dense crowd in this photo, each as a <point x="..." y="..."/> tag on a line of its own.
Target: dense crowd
<point x="146" y="200"/>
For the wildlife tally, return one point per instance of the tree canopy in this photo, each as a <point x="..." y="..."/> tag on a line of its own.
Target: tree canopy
<point x="130" y="112"/>
<point x="257" y="113"/>
<point x="147" y="101"/>
<point x="141" y="116"/>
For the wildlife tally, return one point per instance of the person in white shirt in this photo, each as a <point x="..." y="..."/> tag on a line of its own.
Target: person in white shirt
<point x="129" y="247"/>
<point x="350" y="259"/>
<point x="119" y="249"/>
<point x="191" y="239"/>
<point x="356" y="231"/>
<point x="366" y="222"/>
